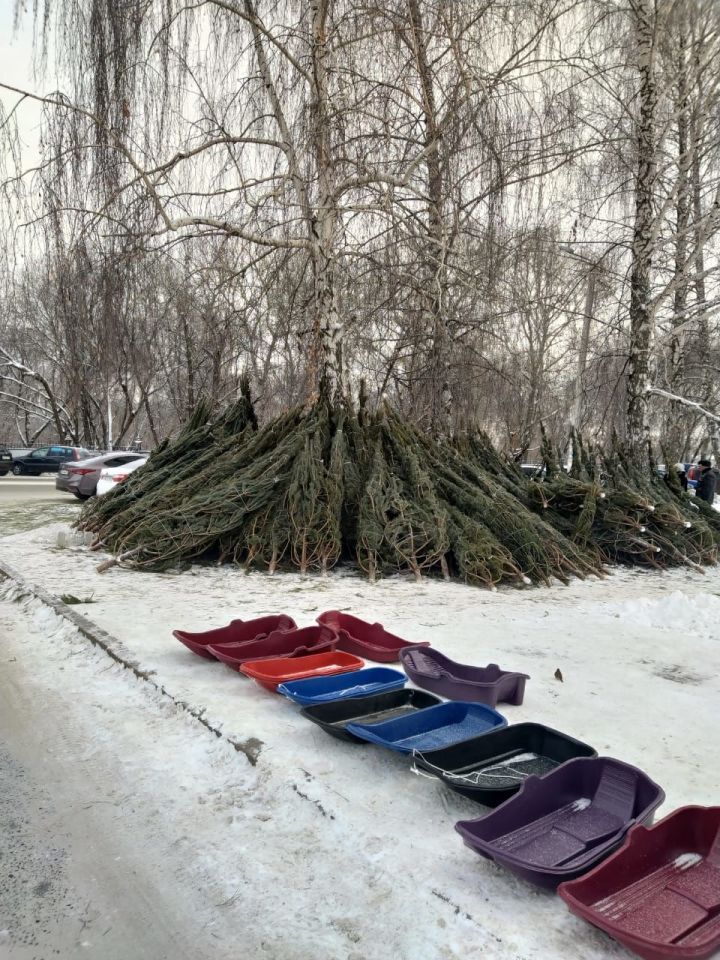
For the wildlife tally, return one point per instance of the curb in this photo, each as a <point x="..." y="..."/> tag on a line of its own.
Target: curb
<point x="117" y="651"/>
<point x="96" y="635"/>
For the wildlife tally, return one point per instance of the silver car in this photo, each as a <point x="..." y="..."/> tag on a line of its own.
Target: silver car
<point x="81" y="478"/>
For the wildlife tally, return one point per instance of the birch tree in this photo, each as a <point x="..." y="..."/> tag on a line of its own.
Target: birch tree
<point x="336" y="190"/>
<point x="641" y="314"/>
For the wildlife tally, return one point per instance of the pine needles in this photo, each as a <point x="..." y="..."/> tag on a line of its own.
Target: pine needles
<point x="325" y="484"/>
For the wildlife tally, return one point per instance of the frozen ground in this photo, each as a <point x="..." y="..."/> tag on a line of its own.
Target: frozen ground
<point x="328" y="850"/>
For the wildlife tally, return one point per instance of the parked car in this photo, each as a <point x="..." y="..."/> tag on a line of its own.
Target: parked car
<point x="81" y="478"/>
<point x="47" y="460"/>
<point x="6" y="461"/>
<point x="111" y="476"/>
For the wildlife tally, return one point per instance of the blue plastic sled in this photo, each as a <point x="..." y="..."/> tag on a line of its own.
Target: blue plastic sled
<point x="343" y="686"/>
<point x="432" y="728"/>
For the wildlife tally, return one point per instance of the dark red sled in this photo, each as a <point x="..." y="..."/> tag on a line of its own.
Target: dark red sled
<point x="369" y="640"/>
<point x="280" y="643"/>
<point x="270" y="673"/>
<point x="659" y="894"/>
<point x="237" y="631"/>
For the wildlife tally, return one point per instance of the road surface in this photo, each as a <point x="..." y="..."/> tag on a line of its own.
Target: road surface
<point x="89" y="867"/>
<point x="29" y="502"/>
<point x="21" y="489"/>
<point x="83" y="871"/>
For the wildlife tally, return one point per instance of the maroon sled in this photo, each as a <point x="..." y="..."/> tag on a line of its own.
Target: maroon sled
<point x="659" y="894"/>
<point x="237" y="631"/>
<point x="369" y="640"/>
<point x="280" y="643"/>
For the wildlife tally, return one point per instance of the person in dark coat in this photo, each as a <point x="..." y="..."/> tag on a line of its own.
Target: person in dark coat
<point x="705" y="488"/>
<point x="682" y="475"/>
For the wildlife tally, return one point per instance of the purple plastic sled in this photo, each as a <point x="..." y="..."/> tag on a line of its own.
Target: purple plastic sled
<point x="434" y="671"/>
<point x="559" y="826"/>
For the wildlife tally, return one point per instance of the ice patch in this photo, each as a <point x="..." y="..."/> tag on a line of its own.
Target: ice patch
<point x="68" y="538"/>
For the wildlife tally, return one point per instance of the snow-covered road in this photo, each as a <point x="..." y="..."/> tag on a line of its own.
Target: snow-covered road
<point x="89" y="867"/>
<point x="323" y="849"/>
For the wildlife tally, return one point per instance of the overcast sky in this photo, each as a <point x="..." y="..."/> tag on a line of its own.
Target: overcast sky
<point x="16" y="69"/>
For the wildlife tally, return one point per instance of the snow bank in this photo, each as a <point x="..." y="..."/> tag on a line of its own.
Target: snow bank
<point x="681" y="612"/>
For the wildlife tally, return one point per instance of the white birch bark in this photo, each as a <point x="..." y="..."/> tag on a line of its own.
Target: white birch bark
<point x="641" y="314"/>
<point x="321" y="218"/>
<point x="327" y="323"/>
<point x="682" y="218"/>
<point x="441" y="398"/>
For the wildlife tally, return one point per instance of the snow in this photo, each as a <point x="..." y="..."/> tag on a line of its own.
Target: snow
<point x="696" y="613"/>
<point x="504" y="771"/>
<point x="335" y="850"/>
<point x="520" y="758"/>
<point x="687" y="860"/>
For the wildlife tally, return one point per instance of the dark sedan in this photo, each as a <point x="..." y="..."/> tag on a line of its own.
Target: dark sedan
<point x="6" y="461"/>
<point x="47" y="460"/>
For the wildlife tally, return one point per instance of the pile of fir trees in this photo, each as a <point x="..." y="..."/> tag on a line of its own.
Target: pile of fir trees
<point x="326" y="483"/>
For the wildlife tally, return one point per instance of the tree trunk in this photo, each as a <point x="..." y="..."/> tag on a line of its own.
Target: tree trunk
<point x="641" y="314"/>
<point x="325" y="362"/>
<point x="576" y="415"/>
<point x="703" y="332"/>
<point x="682" y="221"/>
<point x="676" y="373"/>
<point x="187" y="348"/>
<point x="699" y="279"/>
<point x="441" y="399"/>
<point x="327" y="324"/>
<point x="151" y="422"/>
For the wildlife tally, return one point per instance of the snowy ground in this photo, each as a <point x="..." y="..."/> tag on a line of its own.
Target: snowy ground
<point x="328" y="850"/>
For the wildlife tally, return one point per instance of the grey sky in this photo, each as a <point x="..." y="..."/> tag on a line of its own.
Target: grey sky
<point x="16" y="69"/>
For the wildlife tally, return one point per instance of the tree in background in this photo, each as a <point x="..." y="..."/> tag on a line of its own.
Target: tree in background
<point x="496" y="214"/>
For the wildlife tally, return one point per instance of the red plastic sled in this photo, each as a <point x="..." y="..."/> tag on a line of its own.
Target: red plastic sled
<point x="237" y="631"/>
<point x="280" y="643"/>
<point x="659" y="894"/>
<point x="370" y="640"/>
<point x="269" y="673"/>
